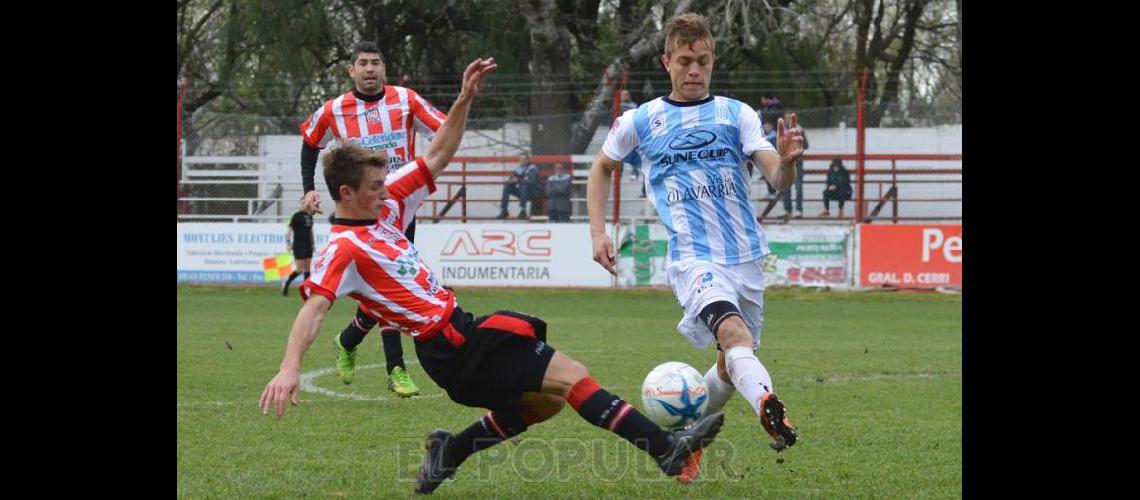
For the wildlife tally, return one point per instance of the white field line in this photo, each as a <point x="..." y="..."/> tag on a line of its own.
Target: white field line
<point x="336" y="397"/>
<point x="307" y="385"/>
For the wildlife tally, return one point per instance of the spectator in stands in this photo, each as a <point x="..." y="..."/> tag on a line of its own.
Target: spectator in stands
<point x="787" y="195"/>
<point x="523" y="184"/>
<point x="627" y="102"/>
<point x="558" y="194"/>
<point x="838" y="187"/>
<point x="770" y="109"/>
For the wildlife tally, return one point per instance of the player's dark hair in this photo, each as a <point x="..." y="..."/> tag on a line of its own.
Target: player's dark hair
<point x="344" y="166"/>
<point x="365" y="47"/>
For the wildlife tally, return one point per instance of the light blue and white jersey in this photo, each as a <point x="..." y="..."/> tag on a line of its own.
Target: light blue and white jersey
<point x="693" y="153"/>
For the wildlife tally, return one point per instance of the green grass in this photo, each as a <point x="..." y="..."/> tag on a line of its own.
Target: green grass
<point x="872" y="380"/>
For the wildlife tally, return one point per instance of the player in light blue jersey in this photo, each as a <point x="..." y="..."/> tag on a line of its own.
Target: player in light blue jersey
<point x="694" y="144"/>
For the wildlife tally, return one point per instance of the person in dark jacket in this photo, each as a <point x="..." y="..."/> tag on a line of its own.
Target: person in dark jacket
<point x="558" y="194"/>
<point x="523" y="183"/>
<point x="838" y="187"/>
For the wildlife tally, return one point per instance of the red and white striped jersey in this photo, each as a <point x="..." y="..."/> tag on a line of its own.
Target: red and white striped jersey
<point x="389" y="123"/>
<point x="377" y="265"/>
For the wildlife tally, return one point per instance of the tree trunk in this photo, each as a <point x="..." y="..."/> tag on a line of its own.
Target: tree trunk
<point x="890" y="96"/>
<point x="549" y="69"/>
<point x="644" y="42"/>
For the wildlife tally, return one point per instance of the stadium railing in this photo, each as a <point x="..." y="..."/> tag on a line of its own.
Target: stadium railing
<point x="898" y="188"/>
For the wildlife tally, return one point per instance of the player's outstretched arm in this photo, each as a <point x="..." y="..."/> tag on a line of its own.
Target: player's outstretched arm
<point x="450" y="134"/>
<point x="597" y="191"/>
<point x="286" y="383"/>
<point x="780" y="170"/>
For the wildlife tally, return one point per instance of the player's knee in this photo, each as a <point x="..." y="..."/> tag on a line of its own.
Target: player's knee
<point x="734" y="333"/>
<point x="724" y="320"/>
<point x="576" y="371"/>
<point x="562" y="374"/>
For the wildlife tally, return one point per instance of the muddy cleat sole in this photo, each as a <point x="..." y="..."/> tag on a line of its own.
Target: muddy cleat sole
<point x="774" y="418"/>
<point x="684" y="443"/>
<point x="432" y="472"/>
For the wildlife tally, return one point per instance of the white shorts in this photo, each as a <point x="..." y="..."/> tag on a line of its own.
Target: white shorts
<point x="698" y="283"/>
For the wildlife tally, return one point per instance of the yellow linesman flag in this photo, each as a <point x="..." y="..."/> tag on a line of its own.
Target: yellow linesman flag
<point x="277" y="267"/>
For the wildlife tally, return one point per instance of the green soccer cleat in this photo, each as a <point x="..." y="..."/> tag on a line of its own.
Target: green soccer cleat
<point x="345" y="362"/>
<point x="401" y="383"/>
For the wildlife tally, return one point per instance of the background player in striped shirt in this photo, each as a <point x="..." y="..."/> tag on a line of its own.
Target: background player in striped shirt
<point x="500" y="362"/>
<point x="379" y="117"/>
<point x="694" y="144"/>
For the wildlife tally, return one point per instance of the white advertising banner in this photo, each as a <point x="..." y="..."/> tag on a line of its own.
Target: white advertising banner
<point x="210" y="252"/>
<point x="511" y="254"/>
<point x="460" y="254"/>
<point x="804" y="255"/>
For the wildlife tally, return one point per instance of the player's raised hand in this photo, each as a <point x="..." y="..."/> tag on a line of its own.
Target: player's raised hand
<point x="312" y="202"/>
<point x="789" y="141"/>
<point x="283" y="386"/>
<point x="604" y="252"/>
<point x="473" y="76"/>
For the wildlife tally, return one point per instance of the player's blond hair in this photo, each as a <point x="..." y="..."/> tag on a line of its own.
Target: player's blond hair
<point x="687" y="29"/>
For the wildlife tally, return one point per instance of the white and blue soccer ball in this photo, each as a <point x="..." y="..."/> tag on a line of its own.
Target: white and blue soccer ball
<point x="674" y="395"/>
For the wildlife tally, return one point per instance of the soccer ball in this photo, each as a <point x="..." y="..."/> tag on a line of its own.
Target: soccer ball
<point x="674" y="395"/>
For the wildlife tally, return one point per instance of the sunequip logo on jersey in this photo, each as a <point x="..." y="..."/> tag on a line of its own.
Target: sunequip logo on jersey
<point x="692" y="140"/>
<point x="687" y="146"/>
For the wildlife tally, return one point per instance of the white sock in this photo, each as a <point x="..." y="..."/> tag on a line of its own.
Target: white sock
<point x="748" y="375"/>
<point x="719" y="391"/>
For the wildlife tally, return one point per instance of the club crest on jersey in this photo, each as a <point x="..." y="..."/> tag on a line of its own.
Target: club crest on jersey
<point x="372" y="115"/>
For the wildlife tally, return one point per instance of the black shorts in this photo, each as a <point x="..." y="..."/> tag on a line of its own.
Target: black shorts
<point x="302" y="252"/>
<point x="490" y="361"/>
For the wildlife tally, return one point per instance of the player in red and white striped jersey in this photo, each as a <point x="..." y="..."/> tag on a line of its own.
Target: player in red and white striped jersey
<point x="500" y="362"/>
<point x="383" y="118"/>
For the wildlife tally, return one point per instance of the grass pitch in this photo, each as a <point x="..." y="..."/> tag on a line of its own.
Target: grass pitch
<point x="872" y="380"/>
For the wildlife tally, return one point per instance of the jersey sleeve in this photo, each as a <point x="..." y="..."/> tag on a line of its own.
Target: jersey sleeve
<point x="622" y="137"/>
<point x="313" y="129"/>
<point x="332" y="273"/>
<point x="752" y="132"/>
<point x="409" y="186"/>
<point x="426" y="118"/>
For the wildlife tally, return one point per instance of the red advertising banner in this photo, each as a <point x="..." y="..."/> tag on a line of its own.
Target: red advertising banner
<point x="921" y="256"/>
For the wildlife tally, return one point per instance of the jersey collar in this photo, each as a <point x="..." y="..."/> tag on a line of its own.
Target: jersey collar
<point x="370" y="98"/>
<point x="688" y="103"/>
